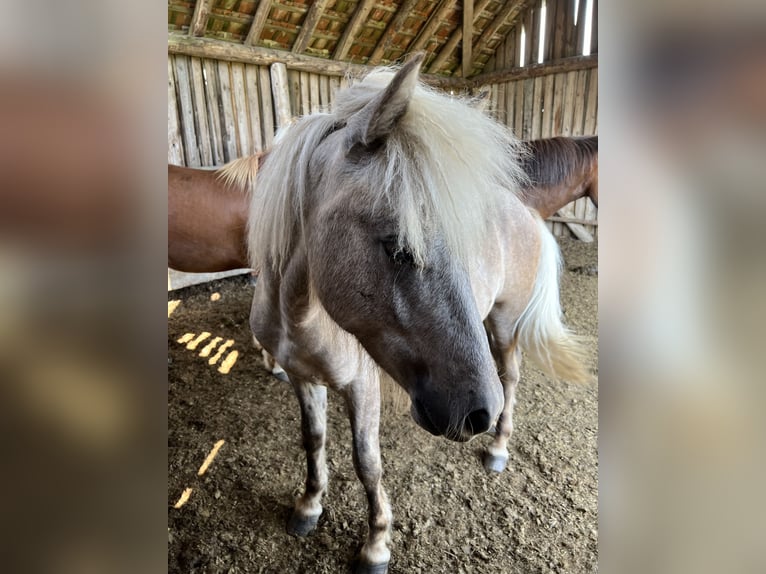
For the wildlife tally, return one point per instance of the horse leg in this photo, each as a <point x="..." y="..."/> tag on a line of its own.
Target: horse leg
<point x="363" y="403"/>
<point x="308" y="507"/>
<point x="496" y="457"/>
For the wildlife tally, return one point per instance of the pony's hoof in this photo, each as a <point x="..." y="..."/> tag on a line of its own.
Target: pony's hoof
<point x="281" y="375"/>
<point x="495" y="463"/>
<point x="361" y="568"/>
<point x="301" y="525"/>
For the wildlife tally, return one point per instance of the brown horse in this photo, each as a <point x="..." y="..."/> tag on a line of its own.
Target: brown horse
<point x="560" y="170"/>
<point x="207" y="216"/>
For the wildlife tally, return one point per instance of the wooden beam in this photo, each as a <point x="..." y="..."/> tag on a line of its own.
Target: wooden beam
<point x="432" y="24"/>
<point x="231" y="52"/>
<point x="261" y="14"/>
<point x="580" y="220"/>
<point x="281" y="94"/>
<point x="535" y="70"/>
<point x="352" y="29"/>
<point x="508" y="13"/>
<point x="452" y="41"/>
<point x="467" y="58"/>
<point x="394" y="26"/>
<point x="309" y="25"/>
<point x="200" y="17"/>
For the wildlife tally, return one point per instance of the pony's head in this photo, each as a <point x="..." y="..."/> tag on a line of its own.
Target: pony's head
<point x="388" y="196"/>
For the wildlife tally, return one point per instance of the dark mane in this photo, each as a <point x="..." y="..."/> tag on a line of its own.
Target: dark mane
<point x="550" y="161"/>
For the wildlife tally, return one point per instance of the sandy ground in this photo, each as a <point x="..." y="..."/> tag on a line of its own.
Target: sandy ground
<point x="540" y="515"/>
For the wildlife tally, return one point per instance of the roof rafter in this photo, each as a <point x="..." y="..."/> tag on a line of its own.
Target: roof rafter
<point x="352" y="29"/>
<point x="456" y="36"/>
<point x="199" y="18"/>
<point x="509" y="12"/>
<point x="432" y="24"/>
<point x="309" y="25"/>
<point x="261" y="14"/>
<point x="394" y="26"/>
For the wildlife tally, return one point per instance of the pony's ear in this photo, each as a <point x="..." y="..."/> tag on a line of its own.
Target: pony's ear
<point x="376" y="120"/>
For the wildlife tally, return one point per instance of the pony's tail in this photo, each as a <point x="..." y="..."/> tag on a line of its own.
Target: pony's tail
<point x="540" y="329"/>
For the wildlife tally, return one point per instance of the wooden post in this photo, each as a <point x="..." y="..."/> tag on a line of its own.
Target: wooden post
<point x="467" y="58"/>
<point x="281" y="95"/>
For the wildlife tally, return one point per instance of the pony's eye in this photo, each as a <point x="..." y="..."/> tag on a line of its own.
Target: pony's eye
<point x="397" y="254"/>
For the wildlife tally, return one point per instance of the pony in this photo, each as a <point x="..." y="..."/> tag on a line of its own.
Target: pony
<point x="391" y="243"/>
<point x="207" y="216"/>
<point x="559" y="170"/>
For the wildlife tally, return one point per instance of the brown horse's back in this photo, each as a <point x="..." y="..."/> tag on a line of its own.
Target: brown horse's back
<point x="207" y="222"/>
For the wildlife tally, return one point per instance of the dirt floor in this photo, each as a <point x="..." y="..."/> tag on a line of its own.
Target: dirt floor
<point x="540" y="515"/>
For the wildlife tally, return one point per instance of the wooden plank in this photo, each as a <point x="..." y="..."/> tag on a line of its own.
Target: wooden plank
<point x="592" y="109"/>
<point x="562" y="219"/>
<point x="175" y="143"/>
<point x="507" y="14"/>
<point x="557" y="50"/>
<point x="352" y="29"/>
<point x="233" y="52"/>
<point x="228" y="128"/>
<point x="560" y="82"/>
<point x="570" y="31"/>
<point x="594" y="29"/>
<point x="334" y="87"/>
<point x="213" y="97"/>
<point x="254" y="107"/>
<point x="200" y="113"/>
<point x="261" y="15"/>
<point x="501" y="109"/>
<point x="449" y="46"/>
<point x="394" y="26"/>
<point x="550" y="24"/>
<point x="534" y="70"/>
<point x="528" y="46"/>
<point x="324" y="92"/>
<point x="547" y="121"/>
<point x="281" y="94"/>
<point x="569" y="103"/>
<point x="577" y="229"/>
<point x="200" y="17"/>
<point x="510" y="50"/>
<point x="493" y="102"/>
<point x="581" y="15"/>
<point x="535" y="33"/>
<point x="183" y="86"/>
<point x="467" y="57"/>
<point x="245" y="145"/>
<point x="294" y="89"/>
<point x="309" y="25"/>
<point x="578" y="117"/>
<point x="518" y="109"/>
<point x="519" y="61"/>
<point x="529" y="105"/>
<point x="316" y="105"/>
<point x="267" y="106"/>
<point x="510" y="103"/>
<point x="537" y="106"/>
<point x="426" y="33"/>
<point x="305" y="98"/>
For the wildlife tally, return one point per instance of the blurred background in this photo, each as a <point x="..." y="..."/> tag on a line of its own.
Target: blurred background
<point x="83" y="277"/>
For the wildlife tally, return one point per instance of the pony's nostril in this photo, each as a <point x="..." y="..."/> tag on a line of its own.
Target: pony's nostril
<point x="478" y="421"/>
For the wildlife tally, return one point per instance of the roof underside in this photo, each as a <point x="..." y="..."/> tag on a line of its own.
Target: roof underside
<point x="369" y="32"/>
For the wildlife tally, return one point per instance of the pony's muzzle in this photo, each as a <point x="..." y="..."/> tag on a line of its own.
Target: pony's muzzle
<point x="453" y="426"/>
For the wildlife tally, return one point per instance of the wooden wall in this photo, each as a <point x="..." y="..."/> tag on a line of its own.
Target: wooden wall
<point x="549" y="105"/>
<point x="220" y="110"/>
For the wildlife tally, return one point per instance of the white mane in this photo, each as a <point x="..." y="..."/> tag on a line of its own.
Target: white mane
<point x="445" y="167"/>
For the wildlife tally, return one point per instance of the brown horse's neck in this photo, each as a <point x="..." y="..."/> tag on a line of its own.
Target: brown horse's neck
<point x="561" y="170"/>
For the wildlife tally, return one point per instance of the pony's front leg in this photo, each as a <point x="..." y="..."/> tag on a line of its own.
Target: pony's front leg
<point x="308" y="507"/>
<point x="496" y="457"/>
<point x="363" y="402"/>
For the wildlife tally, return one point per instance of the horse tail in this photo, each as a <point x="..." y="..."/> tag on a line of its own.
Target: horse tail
<point x="540" y="330"/>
